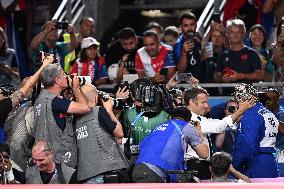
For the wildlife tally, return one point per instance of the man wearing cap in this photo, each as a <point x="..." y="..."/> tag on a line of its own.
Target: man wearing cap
<point x="90" y="63"/>
<point x="255" y="138"/>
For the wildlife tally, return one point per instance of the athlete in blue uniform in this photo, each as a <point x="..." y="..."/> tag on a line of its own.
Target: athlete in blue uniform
<point x="255" y="138"/>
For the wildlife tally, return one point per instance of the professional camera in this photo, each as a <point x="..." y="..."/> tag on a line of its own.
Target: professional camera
<point x="38" y="59"/>
<point x="62" y="25"/>
<point x="6" y="90"/>
<point x="83" y="80"/>
<point x="118" y="104"/>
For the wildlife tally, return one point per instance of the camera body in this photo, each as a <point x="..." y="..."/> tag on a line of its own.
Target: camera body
<point x="216" y="17"/>
<point x="83" y="80"/>
<point x="6" y="90"/>
<point x="62" y="25"/>
<point x="183" y="77"/>
<point x="38" y="60"/>
<point x="232" y="109"/>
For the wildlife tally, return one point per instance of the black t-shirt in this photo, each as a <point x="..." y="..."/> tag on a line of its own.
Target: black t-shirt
<point x="59" y="108"/>
<point x="46" y="177"/>
<point x="106" y="121"/>
<point x="116" y="51"/>
<point x="244" y="61"/>
<point x="5" y="109"/>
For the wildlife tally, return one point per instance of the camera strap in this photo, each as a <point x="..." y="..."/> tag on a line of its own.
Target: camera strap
<point x="183" y="141"/>
<point x="133" y="149"/>
<point x="136" y="119"/>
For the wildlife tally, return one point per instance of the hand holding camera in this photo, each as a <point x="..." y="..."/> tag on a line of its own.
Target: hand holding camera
<point x="188" y="44"/>
<point x="5" y="164"/>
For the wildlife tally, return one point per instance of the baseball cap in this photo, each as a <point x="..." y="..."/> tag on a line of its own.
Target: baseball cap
<point x="89" y="41"/>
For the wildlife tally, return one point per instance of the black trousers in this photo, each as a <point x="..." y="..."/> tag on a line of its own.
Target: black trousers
<point x="143" y="174"/>
<point x="202" y="166"/>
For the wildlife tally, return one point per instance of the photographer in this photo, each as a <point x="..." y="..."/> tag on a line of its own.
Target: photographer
<point x="46" y="41"/>
<point x="6" y="170"/>
<point x="7" y="104"/>
<point x="51" y="121"/>
<point x="100" y="159"/>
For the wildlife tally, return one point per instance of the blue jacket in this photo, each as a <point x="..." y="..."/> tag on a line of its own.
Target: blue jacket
<point x="255" y="142"/>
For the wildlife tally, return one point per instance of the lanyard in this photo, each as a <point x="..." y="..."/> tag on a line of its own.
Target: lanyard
<point x="135" y="120"/>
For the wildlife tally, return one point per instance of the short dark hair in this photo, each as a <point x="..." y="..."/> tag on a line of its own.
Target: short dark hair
<point x="127" y="33"/>
<point x="220" y="163"/>
<point x="151" y="33"/>
<point x="187" y="15"/>
<point x="191" y="94"/>
<point x="262" y="29"/>
<point x="171" y="30"/>
<point x="182" y="112"/>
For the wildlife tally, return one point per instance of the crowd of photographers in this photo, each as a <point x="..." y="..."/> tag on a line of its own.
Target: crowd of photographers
<point x="59" y="128"/>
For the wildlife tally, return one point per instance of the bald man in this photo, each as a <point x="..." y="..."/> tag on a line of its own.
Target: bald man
<point x="99" y="156"/>
<point x="45" y="170"/>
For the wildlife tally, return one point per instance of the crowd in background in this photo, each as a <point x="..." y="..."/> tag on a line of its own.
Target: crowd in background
<point x="57" y="127"/>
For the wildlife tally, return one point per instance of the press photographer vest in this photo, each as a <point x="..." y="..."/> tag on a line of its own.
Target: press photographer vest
<point x="62" y="143"/>
<point x="98" y="151"/>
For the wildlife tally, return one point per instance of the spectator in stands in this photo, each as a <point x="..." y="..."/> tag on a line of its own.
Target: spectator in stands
<point x="187" y="50"/>
<point x="278" y="54"/>
<point x="51" y="120"/>
<point x="254" y="145"/>
<point x="156" y="27"/>
<point x="9" y="70"/>
<point x="168" y="154"/>
<point x="86" y="29"/>
<point x="210" y="53"/>
<point x="90" y="63"/>
<point x="224" y="141"/>
<point x="97" y="133"/>
<point x="6" y="166"/>
<point x="121" y="53"/>
<point x="221" y="167"/>
<point x="170" y="35"/>
<point x="154" y="60"/>
<point x="11" y="102"/>
<point x="196" y="100"/>
<point x="45" y="170"/>
<point x="257" y="38"/>
<point x="240" y="63"/>
<point x="47" y="41"/>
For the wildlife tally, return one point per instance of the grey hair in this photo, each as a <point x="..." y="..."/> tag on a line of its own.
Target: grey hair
<point x="236" y="22"/>
<point x="49" y="73"/>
